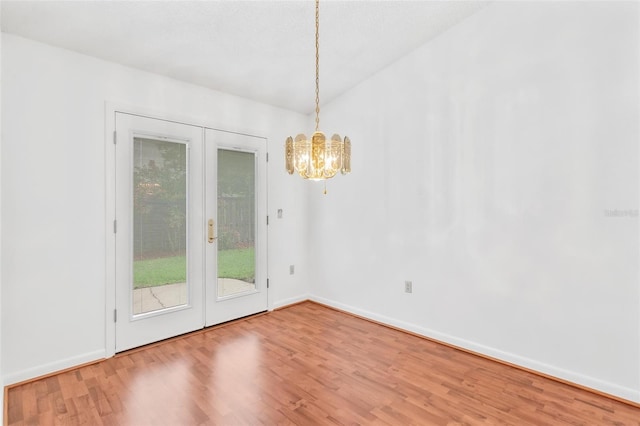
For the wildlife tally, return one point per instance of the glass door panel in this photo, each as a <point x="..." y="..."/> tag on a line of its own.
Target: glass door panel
<point x="159" y="225"/>
<point x="236" y="223"/>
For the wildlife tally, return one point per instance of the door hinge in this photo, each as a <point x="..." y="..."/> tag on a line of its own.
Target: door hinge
<point x="114" y="137"/>
<point x="267" y="220"/>
<point x="115" y="315"/>
<point x="267" y="282"/>
<point x="267" y="157"/>
<point x="115" y="226"/>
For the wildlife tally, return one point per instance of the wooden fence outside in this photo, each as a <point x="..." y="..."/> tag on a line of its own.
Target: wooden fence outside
<point x="158" y="233"/>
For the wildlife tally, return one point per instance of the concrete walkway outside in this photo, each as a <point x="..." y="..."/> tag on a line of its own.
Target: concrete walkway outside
<point x="150" y="299"/>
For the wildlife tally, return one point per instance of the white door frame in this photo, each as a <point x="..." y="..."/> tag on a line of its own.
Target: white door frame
<point x="111" y="108"/>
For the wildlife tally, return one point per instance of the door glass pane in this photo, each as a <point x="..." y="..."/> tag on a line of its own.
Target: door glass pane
<point x="236" y="222"/>
<point x="159" y="225"/>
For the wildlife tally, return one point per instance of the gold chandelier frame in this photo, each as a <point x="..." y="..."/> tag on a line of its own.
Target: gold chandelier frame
<point x="318" y="158"/>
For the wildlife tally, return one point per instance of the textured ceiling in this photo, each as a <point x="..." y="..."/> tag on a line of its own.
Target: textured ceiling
<point x="261" y="50"/>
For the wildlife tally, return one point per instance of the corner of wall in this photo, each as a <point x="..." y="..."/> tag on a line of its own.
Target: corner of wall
<point x="447" y="209"/>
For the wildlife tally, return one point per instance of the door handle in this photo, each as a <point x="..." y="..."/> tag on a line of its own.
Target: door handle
<point x="211" y="231"/>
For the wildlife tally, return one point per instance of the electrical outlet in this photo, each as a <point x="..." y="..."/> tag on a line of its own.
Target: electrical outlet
<point x="292" y="269"/>
<point x="279" y="213"/>
<point x="408" y="287"/>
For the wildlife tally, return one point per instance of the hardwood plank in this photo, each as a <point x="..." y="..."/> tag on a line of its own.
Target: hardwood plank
<point x="305" y="364"/>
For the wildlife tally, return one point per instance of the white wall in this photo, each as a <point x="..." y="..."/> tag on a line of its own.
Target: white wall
<point x="53" y="196"/>
<point x="483" y="164"/>
<point x="1" y="375"/>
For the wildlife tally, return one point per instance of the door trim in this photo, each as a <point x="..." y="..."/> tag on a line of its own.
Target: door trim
<point x="110" y="110"/>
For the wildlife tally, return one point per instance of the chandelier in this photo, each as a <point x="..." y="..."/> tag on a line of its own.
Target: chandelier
<point x="318" y="158"/>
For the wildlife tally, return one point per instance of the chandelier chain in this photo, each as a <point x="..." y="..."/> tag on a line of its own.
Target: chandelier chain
<point x="317" y="64"/>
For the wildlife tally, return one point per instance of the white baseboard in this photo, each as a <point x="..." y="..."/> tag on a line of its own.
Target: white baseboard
<point x="560" y="373"/>
<point x="289" y="301"/>
<point x="42" y="370"/>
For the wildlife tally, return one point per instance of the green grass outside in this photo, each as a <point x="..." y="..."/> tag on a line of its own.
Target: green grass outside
<point x="236" y="263"/>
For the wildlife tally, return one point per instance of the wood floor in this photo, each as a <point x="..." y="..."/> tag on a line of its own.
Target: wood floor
<point x="304" y="365"/>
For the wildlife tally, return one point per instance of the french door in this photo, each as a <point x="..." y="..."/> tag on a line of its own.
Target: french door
<point x="235" y="188"/>
<point x="190" y="238"/>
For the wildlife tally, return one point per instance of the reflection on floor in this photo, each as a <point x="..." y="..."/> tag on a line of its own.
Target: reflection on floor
<point x="151" y="299"/>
